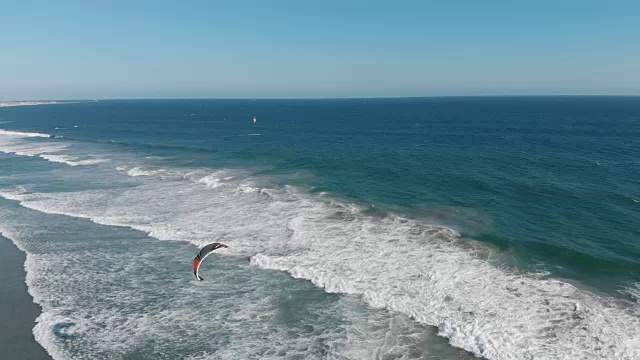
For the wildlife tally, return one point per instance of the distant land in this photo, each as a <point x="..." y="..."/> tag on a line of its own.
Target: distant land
<point x="40" y="102"/>
<point x="25" y="103"/>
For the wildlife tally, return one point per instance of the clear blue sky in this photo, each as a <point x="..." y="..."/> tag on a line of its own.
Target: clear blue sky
<point x="257" y="49"/>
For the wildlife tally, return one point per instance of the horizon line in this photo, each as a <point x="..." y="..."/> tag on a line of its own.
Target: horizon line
<point x="329" y="97"/>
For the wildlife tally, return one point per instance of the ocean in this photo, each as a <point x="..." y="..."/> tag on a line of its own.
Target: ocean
<point x="408" y="228"/>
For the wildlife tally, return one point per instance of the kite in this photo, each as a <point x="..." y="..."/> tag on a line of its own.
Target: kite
<point x="204" y="252"/>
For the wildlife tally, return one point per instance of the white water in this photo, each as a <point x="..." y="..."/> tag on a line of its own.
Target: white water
<point x="22" y="134"/>
<point x="71" y="161"/>
<point x="11" y="142"/>
<point x="126" y="293"/>
<point x="415" y="268"/>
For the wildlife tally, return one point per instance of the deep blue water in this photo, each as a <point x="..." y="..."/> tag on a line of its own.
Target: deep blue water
<point x="549" y="185"/>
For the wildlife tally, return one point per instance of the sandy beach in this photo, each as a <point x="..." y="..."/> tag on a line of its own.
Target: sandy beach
<point x="33" y="103"/>
<point x="17" y="309"/>
<point x="26" y="103"/>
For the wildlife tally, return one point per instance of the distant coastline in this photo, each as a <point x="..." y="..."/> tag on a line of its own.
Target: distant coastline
<point x="32" y="103"/>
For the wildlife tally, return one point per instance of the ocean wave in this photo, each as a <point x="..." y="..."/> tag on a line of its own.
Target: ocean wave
<point x="419" y="269"/>
<point x="139" y="171"/>
<point x="23" y="134"/>
<point x="71" y="161"/>
<point x="158" y="157"/>
<point x="122" y="304"/>
<point x="46" y="150"/>
<point x="29" y="149"/>
<point x="633" y="291"/>
<point x="212" y="181"/>
<point x="115" y="143"/>
<point x="14" y="142"/>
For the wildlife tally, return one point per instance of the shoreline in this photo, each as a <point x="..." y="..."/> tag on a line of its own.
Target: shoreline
<point x="17" y="309"/>
<point x="4" y="104"/>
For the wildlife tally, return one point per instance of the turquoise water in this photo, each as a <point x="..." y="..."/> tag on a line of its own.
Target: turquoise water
<point x="398" y="228"/>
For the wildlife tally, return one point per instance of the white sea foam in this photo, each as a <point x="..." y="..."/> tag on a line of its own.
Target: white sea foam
<point x="123" y="304"/>
<point x="15" y="195"/>
<point x="227" y="177"/>
<point x="71" y="161"/>
<point x="158" y="157"/>
<point x="18" y="143"/>
<point x="216" y="178"/>
<point x="90" y="162"/>
<point x="211" y="181"/>
<point x="633" y="290"/>
<point x="29" y="149"/>
<point x="412" y="267"/>
<point x="22" y="133"/>
<point x="139" y="171"/>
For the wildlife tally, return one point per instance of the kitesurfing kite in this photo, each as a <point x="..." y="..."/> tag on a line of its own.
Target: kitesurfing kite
<point x="204" y="252"/>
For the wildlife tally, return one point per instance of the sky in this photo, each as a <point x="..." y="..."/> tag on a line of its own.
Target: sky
<point x="307" y="49"/>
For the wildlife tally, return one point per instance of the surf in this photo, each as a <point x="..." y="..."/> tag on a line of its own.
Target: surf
<point x="420" y="269"/>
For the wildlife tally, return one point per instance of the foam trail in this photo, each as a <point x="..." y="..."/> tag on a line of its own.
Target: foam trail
<point x="138" y="171"/>
<point x="212" y="180"/>
<point x="71" y="161"/>
<point x="31" y="149"/>
<point x="23" y="134"/>
<point x="633" y="290"/>
<point x="17" y="143"/>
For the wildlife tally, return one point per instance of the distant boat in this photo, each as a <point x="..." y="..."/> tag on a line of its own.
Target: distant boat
<point x="254" y="119"/>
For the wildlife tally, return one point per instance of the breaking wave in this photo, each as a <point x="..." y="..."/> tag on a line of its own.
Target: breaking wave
<point x="413" y="267"/>
<point x="419" y="269"/>
<point x="23" y="134"/>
